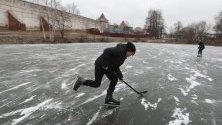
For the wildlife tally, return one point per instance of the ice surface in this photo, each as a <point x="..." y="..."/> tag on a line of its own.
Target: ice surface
<point x="25" y="112"/>
<point x="36" y="83"/>
<point x="16" y="87"/>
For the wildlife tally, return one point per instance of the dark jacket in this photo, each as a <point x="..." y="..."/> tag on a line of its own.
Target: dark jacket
<point x="112" y="59"/>
<point x="201" y="45"/>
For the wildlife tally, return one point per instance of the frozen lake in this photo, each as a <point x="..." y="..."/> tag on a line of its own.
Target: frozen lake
<point x="36" y="86"/>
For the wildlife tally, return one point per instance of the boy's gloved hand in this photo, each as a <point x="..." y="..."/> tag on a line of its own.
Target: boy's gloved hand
<point x="121" y="79"/>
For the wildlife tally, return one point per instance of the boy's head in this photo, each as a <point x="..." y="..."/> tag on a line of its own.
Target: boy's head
<point x="130" y="49"/>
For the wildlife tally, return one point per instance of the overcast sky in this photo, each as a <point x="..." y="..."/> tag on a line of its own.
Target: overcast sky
<point x="135" y="11"/>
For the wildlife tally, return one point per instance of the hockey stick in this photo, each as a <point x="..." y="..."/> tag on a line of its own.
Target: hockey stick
<point x="139" y="93"/>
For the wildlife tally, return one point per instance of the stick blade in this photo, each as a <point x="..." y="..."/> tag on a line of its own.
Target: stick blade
<point x="112" y="105"/>
<point x="143" y="92"/>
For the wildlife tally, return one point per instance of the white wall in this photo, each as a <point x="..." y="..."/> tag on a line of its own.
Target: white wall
<point x="3" y="14"/>
<point x="28" y="13"/>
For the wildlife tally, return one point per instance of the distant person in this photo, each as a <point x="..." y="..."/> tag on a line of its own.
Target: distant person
<point x="200" y="48"/>
<point x="108" y="63"/>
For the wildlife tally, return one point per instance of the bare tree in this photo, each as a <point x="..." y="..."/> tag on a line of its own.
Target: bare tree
<point x="218" y="26"/>
<point x="171" y="32"/>
<point x="196" y="31"/>
<point x="178" y="28"/>
<point x="41" y="13"/>
<point x="46" y="13"/>
<point x="154" y="23"/>
<point x="51" y="10"/>
<point x="42" y="26"/>
<point x="188" y="33"/>
<point x="41" y="2"/>
<point x="202" y="28"/>
<point x="62" y="19"/>
<point x="72" y="8"/>
<point x="58" y="16"/>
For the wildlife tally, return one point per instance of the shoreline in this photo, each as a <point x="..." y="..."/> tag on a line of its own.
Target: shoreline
<point x="36" y="37"/>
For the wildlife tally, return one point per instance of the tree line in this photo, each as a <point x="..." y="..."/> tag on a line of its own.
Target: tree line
<point x="155" y="26"/>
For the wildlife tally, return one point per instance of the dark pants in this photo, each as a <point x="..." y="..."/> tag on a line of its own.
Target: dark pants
<point x="200" y="52"/>
<point x="99" y="72"/>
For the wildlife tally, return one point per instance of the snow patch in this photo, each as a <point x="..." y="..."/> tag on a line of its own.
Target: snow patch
<point x="93" y="98"/>
<point x="194" y="97"/>
<point x="80" y="95"/>
<point x="193" y="101"/>
<point x="129" y="67"/>
<point x="180" y="117"/>
<point x="64" y="86"/>
<point x="144" y="62"/>
<point x="120" y="86"/>
<point x="147" y="104"/>
<point x="192" y="80"/>
<point x="148" y="68"/>
<point x="179" y="62"/>
<point x="138" y="72"/>
<point x="220" y="60"/>
<point x="94" y="117"/>
<point x="171" y="78"/>
<point x="171" y="61"/>
<point x="29" y="71"/>
<point x="198" y="74"/>
<point x="193" y="84"/>
<point x="109" y="112"/>
<point x="16" y="87"/>
<point x="177" y="100"/>
<point x="210" y="101"/>
<point x="25" y="112"/>
<point x="53" y="105"/>
<point x="29" y="99"/>
<point x="184" y="92"/>
<point x="93" y="59"/>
